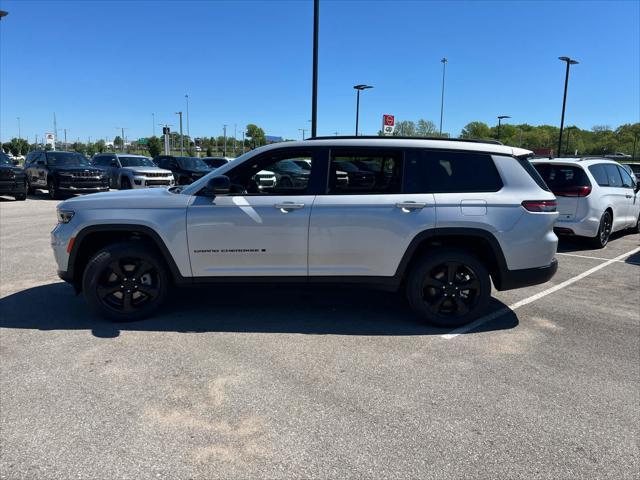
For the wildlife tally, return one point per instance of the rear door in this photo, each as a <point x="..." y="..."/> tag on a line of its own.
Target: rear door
<point x="363" y="226"/>
<point x="617" y="196"/>
<point x="569" y="183"/>
<point x="633" y="206"/>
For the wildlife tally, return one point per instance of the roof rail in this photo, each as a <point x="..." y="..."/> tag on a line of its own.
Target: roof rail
<point x="377" y="137"/>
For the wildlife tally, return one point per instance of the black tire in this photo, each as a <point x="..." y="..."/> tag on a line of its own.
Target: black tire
<point x="604" y="231"/>
<point x="23" y="195"/>
<point x="119" y="272"/>
<point x="30" y="189"/>
<point x="435" y="287"/>
<point x="125" y="183"/>
<point x="636" y="229"/>
<point x="53" y="190"/>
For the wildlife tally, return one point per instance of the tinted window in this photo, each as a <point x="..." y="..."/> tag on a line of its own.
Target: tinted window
<point x="558" y="177"/>
<point x="192" y="163"/>
<point x="365" y="172"/>
<point x="443" y="172"/>
<point x="613" y="175"/>
<point x="101" y="161"/>
<point x="272" y="174"/>
<point x="599" y="174"/>
<point x="635" y="167"/>
<point x="136" y="162"/>
<point x="627" y="181"/>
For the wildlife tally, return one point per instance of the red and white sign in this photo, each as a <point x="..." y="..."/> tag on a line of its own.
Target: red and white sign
<point x="49" y="139"/>
<point x="388" y="124"/>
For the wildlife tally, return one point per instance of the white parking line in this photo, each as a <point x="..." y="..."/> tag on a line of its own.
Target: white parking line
<point x="585" y="256"/>
<point x="533" y="298"/>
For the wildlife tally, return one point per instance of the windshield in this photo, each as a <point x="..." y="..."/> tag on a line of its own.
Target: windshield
<point x="192" y="163"/>
<point x="562" y="176"/>
<point x="66" y="159"/>
<point x="215" y="162"/>
<point x="136" y="162"/>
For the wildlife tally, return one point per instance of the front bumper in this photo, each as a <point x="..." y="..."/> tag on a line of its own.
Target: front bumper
<point x="152" y="182"/>
<point x="510" y="279"/>
<point x="82" y="189"/>
<point x="11" y="186"/>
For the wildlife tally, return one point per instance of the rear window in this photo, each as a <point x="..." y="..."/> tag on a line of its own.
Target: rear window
<point x="559" y="177"/>
<point x="431" y="171"/>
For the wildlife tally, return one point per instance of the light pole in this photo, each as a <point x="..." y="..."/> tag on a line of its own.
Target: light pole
<point x="181" y="137"/>
<point x="303" y="130"/>
<point x="566" y="148"/>
<point x="569" y="62"/>
<point x="224" y="147"/>
<point x="314" y="82"/>
<point x="500" y="118"/>
<point x="122" y="129"/>
<point x="188" y="131"/>
<point x="19" y="131"/>
<point x="65" y="137"/>
<point x="635" y="140"/>
<point x="358" y="89"/>
<point x="243" y="141"/>
<point x="444" y="68"/>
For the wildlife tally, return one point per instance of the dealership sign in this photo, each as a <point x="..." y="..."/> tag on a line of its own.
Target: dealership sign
<point x="50" y="139"/>
<point x="388" y="124"/>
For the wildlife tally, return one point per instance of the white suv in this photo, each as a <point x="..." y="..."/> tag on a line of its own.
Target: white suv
<point x="439" y="219"/>
<point x="596" y="197"/>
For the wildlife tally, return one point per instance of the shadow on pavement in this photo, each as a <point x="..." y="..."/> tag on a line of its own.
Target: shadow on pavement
<point x="568" y="244"/>
<point x="633" y="259"/>
<point x="267" y="309"/>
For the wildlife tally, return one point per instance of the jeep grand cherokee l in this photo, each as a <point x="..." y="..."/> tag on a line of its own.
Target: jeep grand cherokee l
<point x="12" y="179"/>
<point x="443" y="220"/>
<point x="63" y="173"/>
<point x="132" y="171"/>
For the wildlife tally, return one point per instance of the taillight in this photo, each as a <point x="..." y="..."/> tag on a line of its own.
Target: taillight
<point x="581" y="191"/>
<point x="540" y="205"/>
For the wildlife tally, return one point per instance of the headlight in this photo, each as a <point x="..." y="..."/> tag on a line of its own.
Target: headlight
<point x="65" y="216"/>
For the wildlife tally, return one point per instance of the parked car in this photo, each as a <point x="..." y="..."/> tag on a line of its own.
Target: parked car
<point x="12" y="179"/>
<point x="357" y="178"/>
<point x="185" y="169"/>
<point x="596" y="197"/>
<point x="263" y="178"/>
<point x="633" y="168"/>
<point x="457" y="215"/>
<point x="340" y="178"/>
<point x="132" y="171"/>
<point x="289" y="174"/>
<point x="618" y="156"/>
<point x="63" y="173"/>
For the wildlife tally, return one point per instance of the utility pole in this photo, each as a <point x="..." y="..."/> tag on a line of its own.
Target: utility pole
<point x="55" y="130"/>
<point x="444" y="68"/>
<point x="243" y="141"/>
<point x="336" y="133"/>
<point x="181" y="137"/>
<point x="314" y="82"/>
<point x="19" y="131"/>
<point x="224" y="147"/>
<point x="65" y="138"/>
<point x="303" y="130"/>
<point x="235" y="138"/>
<point x="153" y="116"/>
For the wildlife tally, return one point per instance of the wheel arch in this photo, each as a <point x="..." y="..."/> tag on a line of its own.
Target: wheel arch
<point x="93" y="238"/>
<point x="480" y="243"/>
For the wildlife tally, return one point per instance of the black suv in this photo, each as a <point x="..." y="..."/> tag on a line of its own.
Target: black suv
<point x="12" y="179"/>
<point x="185" y="169"/>
<point x="63" y="173"/>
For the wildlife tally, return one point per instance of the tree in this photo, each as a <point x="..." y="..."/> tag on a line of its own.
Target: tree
<point x="209" y="152"/>
<point x="6" y="147"/>
<point x="256" y="134"/>
<point x="100" y="146"/>
<point x="426" y="128"/>
<point x="479" y="130"/>
<point x="118" y="142"/>
<point x="78" y="147"/>
<point x="154" y="145"/>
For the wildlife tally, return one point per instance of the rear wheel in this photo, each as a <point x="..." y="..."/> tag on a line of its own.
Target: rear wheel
<point x="636" y="229"/>
<point x="125" y="282"/>
<point x="449" y="288"/>
<point x="604" y="231"/>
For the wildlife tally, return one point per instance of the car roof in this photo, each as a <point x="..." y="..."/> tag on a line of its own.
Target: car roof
<point x="128" y="155"/>
<point x="577" y="160"/>
<point x="411" y="142"/>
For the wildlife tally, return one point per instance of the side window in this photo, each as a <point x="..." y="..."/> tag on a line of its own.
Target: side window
<point x="627" y="181"/>
<point x="362" y="172"/>
<point x="613" y="175"/>
<point x="451" y="172"/>
<point x="99" y="161"/>
<point x="600" y="174"/>
<point x="275" y="173"/>
<point x="162" y="162"/>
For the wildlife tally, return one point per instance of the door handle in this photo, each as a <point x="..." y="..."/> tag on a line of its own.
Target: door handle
<point x="408" y="206"/>
<point x="629" y="196"/>
<point x="287" y="206"/>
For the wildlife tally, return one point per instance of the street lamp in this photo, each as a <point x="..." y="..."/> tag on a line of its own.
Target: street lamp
<point x="359" y="88"/>
<point x="500" y="118"/>
<point x="314" y="80"/>
<point x="19" y="131"/>
<point x="569" y="62"/>
<point x="444" y="67"/>
<point x="303" y="130"/>
<point x="181" y="137"/>
<point x="188" y="131"/>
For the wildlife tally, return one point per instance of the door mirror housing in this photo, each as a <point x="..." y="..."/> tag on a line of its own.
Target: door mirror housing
<point x="220" y="185"/>
<point x="637" y="189"/>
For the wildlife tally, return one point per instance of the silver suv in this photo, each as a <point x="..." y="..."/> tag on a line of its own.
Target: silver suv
<point x="439" y="219"/>
<point x="127" y="171"/>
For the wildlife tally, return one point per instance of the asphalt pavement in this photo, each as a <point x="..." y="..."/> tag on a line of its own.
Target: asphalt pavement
<point x="277" y="382"/>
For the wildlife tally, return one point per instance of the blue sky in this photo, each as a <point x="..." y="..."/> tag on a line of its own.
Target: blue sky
<point x="101" y="65"/>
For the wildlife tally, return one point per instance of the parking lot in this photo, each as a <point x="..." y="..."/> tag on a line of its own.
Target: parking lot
<point x="276" y="382"/>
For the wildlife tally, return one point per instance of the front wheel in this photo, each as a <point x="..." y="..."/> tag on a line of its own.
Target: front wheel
<point x="22" y="195"/>
<point x="53" y="190"/>
<point x="449" y="288"/>
<point x="125" y="282"/>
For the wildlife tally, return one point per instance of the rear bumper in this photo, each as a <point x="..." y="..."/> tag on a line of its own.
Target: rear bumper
<point x="587" y="227"/>
<point x="510" y="279"/>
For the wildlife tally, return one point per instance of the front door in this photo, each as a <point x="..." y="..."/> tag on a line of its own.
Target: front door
<point x="255" y="230"/>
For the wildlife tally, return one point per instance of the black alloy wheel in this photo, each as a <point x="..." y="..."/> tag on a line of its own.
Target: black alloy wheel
<point x="125" y="183"/>
<point x="125" y="281"/>
<point x="53" y="190"/>
<point x="448" y="287"/>
<point x="604" y="230"/>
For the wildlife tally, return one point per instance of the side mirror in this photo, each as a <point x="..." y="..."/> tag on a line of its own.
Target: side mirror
<point x="114" y="163"/>
<point x="220" y="185"/>
<point x="637" y="189"/>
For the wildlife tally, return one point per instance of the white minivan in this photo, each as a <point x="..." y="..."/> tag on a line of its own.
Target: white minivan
<point x="596" y="196"/>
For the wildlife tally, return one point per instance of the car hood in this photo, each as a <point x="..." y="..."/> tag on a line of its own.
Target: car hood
<point x="76" y="168"/>
<point x="147" y="170"/>
<point x="128" y="199"/>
